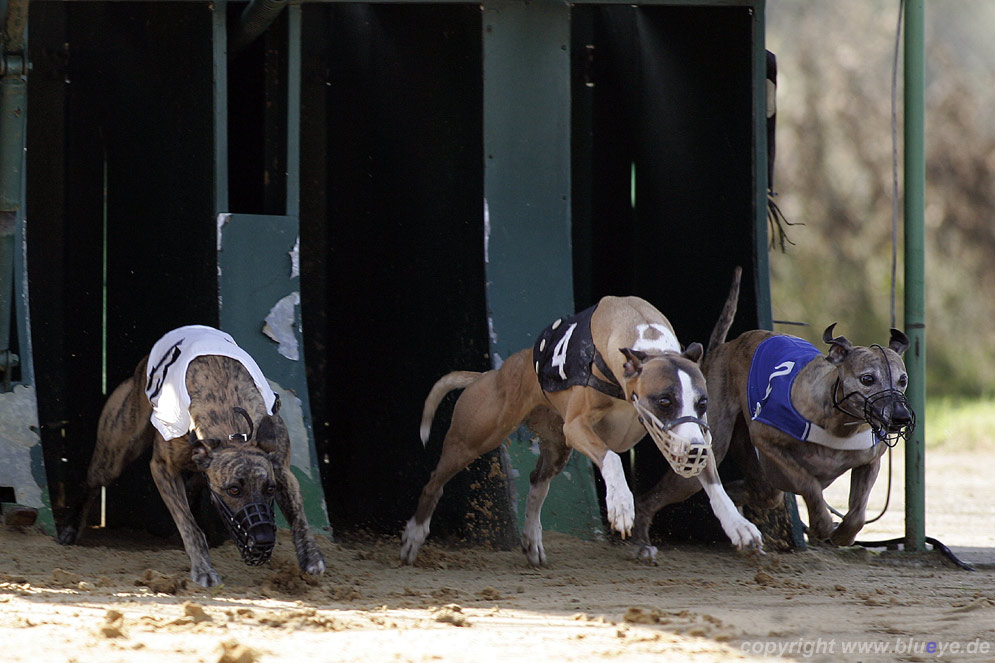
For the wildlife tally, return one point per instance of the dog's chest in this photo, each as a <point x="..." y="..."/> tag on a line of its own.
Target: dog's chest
<point x="827" y="464"/>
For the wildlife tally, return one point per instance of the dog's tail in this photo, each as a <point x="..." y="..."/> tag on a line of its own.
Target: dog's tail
<point x="445" y="384"/>
<point x="724" y="322"/>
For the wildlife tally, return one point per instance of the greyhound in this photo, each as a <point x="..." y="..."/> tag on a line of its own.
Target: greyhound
<point x="202" y="404"/>
<point x="596" y="382"/>
<point x="802" y="419"/>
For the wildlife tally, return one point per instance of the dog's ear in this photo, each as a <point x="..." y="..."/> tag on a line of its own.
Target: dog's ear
<point x="201" y="451"/>
<point x="694" y="352"/>
<point x="899" y="341"/>
<point x="271" y="430"/>
<point x="633" y="362"/>
<point x="839" y="346"/>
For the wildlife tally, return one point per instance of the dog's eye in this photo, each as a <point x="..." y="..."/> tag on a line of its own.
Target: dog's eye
<point x="234" y="491"/>
<point x="664" y="402"/>
<point x="269" y="489"/>
<point x="903" y="380"/>
<point x="867" y="379"/>
<point x="702" y="405"/>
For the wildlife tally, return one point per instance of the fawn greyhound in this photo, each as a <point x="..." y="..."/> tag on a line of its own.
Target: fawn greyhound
<point x="596" y="382"/>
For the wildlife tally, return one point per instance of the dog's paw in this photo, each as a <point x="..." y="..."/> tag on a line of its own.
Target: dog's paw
<point x="532" y="547"/>
<point x="621" y="511"/>
<point x="411" y="539"/>
<point x="68" y="535"/>
<point x="844" y="536"/>
<point x="314" y="565"/>
<point x="745" y="535"/>
<point x="205" y="576"/>
<point x="644" y="553"/>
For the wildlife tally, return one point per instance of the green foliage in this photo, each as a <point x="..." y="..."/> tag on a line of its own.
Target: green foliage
<point x="960" y="424"/>
<point x="834" y="175"/>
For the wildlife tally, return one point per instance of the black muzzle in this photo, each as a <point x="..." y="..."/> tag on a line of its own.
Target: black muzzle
<point x="888" y="412"/>
<point x="253" y="529"/>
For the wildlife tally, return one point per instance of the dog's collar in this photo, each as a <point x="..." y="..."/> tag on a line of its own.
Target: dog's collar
<point x="609" y="387"/>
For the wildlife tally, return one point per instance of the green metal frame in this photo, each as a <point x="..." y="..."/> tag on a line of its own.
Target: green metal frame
<point x="514" y="200"/>
<point x="20" y="442"/>
<point x="259" y="282"/>
<point x="915" y="280"/>
<point x="527" y="216"/>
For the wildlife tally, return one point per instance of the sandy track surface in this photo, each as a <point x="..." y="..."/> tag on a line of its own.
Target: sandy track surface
<point x="124" y="596"/>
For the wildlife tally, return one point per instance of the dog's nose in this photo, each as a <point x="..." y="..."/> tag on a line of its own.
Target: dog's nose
<point x="901" y="414"/>
<point x="263" y="534"/>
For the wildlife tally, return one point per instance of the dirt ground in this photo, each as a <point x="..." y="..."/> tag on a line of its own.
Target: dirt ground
<point x="124" y="597"/>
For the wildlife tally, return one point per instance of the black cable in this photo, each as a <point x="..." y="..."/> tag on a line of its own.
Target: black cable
<point x="937" y="545"/>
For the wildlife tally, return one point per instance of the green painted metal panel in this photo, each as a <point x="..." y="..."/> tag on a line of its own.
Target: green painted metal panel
<point x="219" y="30"/>
<point x="915" y="279"/>
<point x="22" y="466"/>
<point x="761" y="274"/>
<point x="21" y="461"/>
<point x="259" y="302"/>
<point x="527" y="215"/>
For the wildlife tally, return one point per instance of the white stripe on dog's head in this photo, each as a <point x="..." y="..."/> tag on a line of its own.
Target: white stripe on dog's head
<point x="689" y="398"/>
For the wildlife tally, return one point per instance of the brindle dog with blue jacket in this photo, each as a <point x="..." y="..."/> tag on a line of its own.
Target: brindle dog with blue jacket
<point x="202" y="404"/>
<point x="596" y="382"/>
<point x="798" y="420"/>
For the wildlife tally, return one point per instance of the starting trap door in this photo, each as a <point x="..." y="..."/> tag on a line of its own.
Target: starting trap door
<point x="260" y="306"/>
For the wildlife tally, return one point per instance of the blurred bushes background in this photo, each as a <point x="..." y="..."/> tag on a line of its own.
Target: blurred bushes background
<point x="834" y="175"/>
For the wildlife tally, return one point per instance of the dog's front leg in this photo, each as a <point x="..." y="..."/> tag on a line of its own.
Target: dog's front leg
<point x="288" y="498"/>
<point x="862" y="479"/>
<point x="618" y="498"/>
<point x="173" y="493"/>
<point x="740" y="531"/>
<point x="785" y="473"/>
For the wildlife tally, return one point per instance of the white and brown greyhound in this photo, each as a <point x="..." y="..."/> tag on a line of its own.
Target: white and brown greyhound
<point x="596" y="382"/>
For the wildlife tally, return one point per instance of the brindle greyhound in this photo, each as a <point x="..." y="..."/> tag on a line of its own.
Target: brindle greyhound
<point x="596" y="382"/>
<point x="799" y="420"/>
<point x="244" y="471"/>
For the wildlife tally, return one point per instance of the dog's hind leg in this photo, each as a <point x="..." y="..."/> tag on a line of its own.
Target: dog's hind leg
<point x="670" y="489"/>
<point x="123" y="434"/>
<point x="553" y="455"/>
<point x="487" y="412"/>
<point x="456" y="456"/>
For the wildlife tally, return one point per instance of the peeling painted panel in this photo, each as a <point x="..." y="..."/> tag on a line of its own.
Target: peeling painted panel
<point x="20" y="449"/>
<point x="292" y="413"/>
<point x="260" y="303"/>
<point x="295" y="259"/>
<point x="281" y="324"/>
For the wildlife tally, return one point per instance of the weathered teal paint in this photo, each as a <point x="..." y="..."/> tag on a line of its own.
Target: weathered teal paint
<point x="259" y="297"/>
<point x="527" y="216"/>
<point x="761" y="274"/>
<point x="13" y="101"/>
<point x="219" y="29"/>
<point x="915" y="282"/>
<point x="258" y="274"/>
<point x="21" y="459"/>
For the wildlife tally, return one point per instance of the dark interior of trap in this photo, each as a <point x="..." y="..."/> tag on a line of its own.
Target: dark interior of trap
<point x="122" y="193"/>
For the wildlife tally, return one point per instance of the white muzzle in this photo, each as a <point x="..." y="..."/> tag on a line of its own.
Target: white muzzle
<point x="686" y="457"/>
